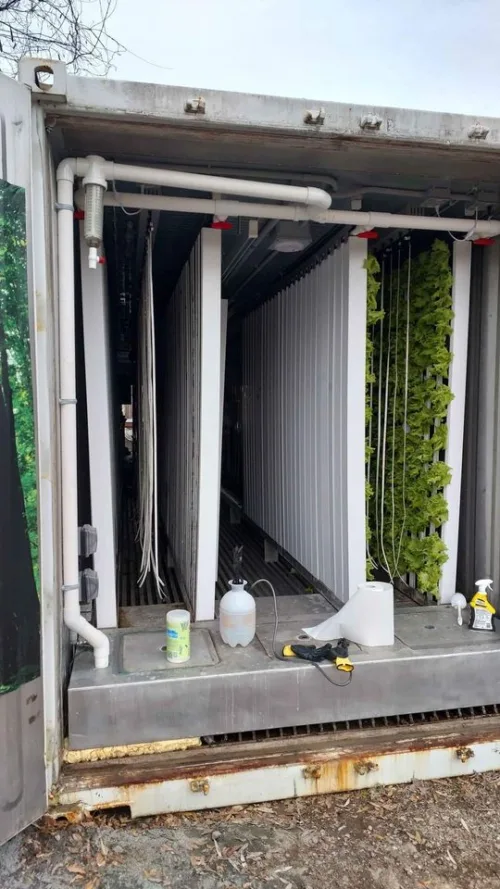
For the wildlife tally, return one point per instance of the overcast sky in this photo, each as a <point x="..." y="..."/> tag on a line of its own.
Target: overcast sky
<point x="432" y="54"/>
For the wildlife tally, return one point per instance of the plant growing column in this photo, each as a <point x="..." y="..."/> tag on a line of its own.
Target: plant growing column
<point x="407" y="428"/>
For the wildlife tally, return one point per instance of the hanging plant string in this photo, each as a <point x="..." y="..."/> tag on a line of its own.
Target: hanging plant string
<point x="394" y="404"/>
<point x="379" y="412"/>
<point x="405" y="409"/>
<point x="384" y="559"/>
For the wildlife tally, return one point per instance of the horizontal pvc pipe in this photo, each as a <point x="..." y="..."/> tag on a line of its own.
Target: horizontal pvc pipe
<point x="265" y="191"/>
<point x="365" y="219"/>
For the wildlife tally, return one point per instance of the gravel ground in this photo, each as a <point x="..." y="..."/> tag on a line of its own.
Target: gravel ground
<point x="436" y="835"/>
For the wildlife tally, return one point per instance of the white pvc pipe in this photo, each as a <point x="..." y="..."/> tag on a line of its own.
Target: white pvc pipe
<point x="365" y="219"/>
<point x="266" y="191"/>
<point x="69" y="487"/>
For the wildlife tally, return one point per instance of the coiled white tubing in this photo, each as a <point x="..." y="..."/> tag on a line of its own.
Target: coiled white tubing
<point x="146" y="434"/>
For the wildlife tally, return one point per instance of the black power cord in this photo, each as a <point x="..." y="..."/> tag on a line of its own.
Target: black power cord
<point x="279" y="656"/>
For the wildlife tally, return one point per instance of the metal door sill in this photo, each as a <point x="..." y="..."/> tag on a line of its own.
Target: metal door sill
<point x="244" y="772"/>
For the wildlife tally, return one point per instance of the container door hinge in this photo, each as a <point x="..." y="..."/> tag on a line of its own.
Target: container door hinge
<point x="313" y="772"/>
<point x="365" y="767"/>
<point x="199" y="785"/>
<point x="464" y="753"/>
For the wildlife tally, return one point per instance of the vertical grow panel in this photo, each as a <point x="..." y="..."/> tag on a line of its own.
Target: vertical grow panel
<point x="457" y="382"/>
<point x="304" y="418"/>
<point x="98" y="383"/>
<point x="480" y="522"/>
<point x="189" y="457"/>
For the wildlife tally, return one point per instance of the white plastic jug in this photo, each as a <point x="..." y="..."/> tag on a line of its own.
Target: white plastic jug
<point x="237" y="616"/>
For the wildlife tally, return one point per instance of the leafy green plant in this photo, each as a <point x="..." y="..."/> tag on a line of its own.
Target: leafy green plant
<point x="373" y="316"/>
<point x="410" y="405"/>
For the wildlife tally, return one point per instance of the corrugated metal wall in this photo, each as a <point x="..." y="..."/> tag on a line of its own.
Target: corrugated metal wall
<point x="189" y="431"/>
<point x="297" y="351"/>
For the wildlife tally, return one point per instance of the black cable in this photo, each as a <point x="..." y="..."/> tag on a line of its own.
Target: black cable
<point x="278" y="655"/>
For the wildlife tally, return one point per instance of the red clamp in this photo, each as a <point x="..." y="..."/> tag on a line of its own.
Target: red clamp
<point x="371" y="235"/>
<point x="78" y="215"/>
<point x="222" y="225"/>
<point x="484" y="242"/>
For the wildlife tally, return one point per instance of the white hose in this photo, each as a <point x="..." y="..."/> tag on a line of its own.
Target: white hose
<point x="384" y="438"/>
<point x="394" y="404"/>
<point x="405" y="418"/>
<point x="146" y="432"/>
<point x="379" y="410"/>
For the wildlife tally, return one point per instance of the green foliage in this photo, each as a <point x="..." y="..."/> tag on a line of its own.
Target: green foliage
<point x="373" y="316"/>
<point x="16" y="342"/>
<point x="414" y="506"/>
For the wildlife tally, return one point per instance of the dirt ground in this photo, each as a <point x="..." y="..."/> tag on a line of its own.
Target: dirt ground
<point x="436" y="835"/>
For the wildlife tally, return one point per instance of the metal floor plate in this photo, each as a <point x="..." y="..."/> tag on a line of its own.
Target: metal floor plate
<point x="144" y="652"/>
<point x="436" y="628"/>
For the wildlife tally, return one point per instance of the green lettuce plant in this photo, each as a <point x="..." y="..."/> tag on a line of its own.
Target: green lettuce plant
<point x="412" y="508"/>
<point x="373" y="316"/>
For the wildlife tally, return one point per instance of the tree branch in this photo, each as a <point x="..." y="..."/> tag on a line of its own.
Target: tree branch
<point x="75" y="31"/>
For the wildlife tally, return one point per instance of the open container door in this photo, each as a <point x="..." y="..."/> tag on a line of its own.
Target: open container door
<point x="22" y="768"/>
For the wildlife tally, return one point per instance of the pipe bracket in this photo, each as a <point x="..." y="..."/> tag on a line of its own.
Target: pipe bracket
<point x="67" y="587"/>
<point x="58" y="206"/>
<point x="63" y="401"/>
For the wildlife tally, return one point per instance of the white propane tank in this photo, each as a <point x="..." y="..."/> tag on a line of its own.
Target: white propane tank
<point x="237" y="615"/>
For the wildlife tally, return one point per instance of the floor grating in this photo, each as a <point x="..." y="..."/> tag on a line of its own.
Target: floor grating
<point x="408" y="719"/>
<point x="285" y="578"/>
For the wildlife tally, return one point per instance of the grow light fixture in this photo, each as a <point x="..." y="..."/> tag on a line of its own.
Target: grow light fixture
<point x="291" y="237"/>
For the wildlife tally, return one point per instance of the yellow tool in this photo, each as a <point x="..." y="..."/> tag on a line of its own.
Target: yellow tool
<point x="338" y="655"/>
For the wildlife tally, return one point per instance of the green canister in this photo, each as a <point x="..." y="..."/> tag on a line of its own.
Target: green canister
<point x="178" y="636"/>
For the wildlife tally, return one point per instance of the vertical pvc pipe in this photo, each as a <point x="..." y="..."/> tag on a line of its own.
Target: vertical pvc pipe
<point x="69" y="487"/>
<point x="97" y="345"/>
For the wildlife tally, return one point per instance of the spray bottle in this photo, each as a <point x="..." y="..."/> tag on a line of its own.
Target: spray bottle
<point x="482" y="612"/>
<point x="237" y="616"/>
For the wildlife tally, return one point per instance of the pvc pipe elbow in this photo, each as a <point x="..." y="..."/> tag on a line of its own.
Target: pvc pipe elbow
<point x="101" y="659"/>
<point x="66" y="170"/>
<point x="96" y="638"/>
<point x="316" y="197"/>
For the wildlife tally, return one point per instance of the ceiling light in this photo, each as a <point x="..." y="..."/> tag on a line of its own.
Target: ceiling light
<point x="291" y="237"/>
